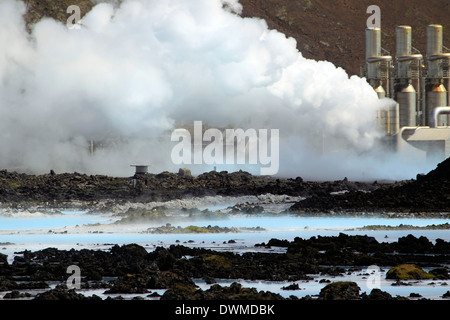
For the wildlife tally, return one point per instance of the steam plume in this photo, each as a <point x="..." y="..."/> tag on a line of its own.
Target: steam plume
<point x="135" y="72"/>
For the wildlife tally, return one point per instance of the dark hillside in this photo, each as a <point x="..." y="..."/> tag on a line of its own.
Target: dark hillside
<point x="324" y="29"/>
<point x="429" y="193"/>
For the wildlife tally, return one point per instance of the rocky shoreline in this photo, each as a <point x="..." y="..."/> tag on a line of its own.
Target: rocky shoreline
<point x="132" y="269"/>
<point x="443" y="226"/>
<point x="428" y="195"/>
<point x="19" y="191"/>
<point x="169" y="229"/>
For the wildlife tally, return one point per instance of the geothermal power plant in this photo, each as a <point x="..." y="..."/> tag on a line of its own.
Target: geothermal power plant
<point x="418" y="123"/>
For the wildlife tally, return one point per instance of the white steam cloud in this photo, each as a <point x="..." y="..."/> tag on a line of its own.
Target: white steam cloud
<point x="135" y="72"/>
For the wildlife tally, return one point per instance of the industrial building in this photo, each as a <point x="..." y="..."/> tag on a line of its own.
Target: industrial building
<point x="419" y="120"/>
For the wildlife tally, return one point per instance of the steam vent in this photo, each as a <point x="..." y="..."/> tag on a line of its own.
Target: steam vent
<point x="418" y="122"/>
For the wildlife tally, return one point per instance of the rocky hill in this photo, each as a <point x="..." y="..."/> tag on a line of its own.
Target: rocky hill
<point x="429" y="193"/>
<point x="334" y="30"/>
<point x="324" y="29"/>
<point x="56" y="9"/>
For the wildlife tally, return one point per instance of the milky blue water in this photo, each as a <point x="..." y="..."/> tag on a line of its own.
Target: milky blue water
<point x="37" y="231"/>
<point x="40" y="221"/>
<point x="430" y="289"/>
<point x="40" y="229"/>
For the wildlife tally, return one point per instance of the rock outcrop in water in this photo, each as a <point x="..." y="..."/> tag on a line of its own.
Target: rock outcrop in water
<point x="408" y="272"/>
<point x="168" y="228"/>
<point x="62" y="293"/>
<point x="134" y="270"/>
<point x="216" y="292"/>
<point x="341" y="290"/>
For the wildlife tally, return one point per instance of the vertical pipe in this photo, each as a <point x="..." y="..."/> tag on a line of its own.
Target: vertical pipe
<point x="373" y="49"/>
<point x="373" y="42"/>
<point x="403" y="48"/>
<point x="436" y="92"/>
<point x="434" y="47"/>
<point x="405" y="93"/>
<point x="434" y="36"/>
<point x="404" y="43"/>
<point x="423" y="107"/>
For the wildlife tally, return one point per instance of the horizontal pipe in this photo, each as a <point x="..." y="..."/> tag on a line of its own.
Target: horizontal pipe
<point x="435" y="114"/>
<point x="439" y="56"/>
<point x="410" y="57"/>
<point x="378" y="59"/>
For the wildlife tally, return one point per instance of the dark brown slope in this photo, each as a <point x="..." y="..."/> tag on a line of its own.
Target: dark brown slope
<point x="56" y="9"/>
<point x="334" y="30"/>
<point x="429" y="193"/>
<point x="324" y="29"/>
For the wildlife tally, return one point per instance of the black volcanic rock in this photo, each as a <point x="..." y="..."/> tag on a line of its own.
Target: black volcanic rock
<point x="133" y="270"/>
<point x="19" y="191"/>
<point x="377" y="294"/>
<point x="428" y="193"/>
<point x="3" y="258"/>
<point x="440" y="273"/>
<point x="341" y="290"/>
<point x="216" y="292"/>
<point x="62" y="293"/>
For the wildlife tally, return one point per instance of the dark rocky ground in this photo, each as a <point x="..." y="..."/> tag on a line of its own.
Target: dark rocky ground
<point x="428" y="193"/>
<point x="137" y="271"/>
<point x="54" y="190"/>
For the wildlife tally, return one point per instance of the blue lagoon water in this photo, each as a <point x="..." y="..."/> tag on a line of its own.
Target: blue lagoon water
<point x="59" y="229"/>
<point x="80" y="230"/>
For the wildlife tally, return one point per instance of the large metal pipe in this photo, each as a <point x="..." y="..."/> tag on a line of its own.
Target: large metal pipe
<point x="434" y="39"/>
<point x="434" y="116"/>
<point x="436" y="91"/>
<point x="434" y="52"/>
<point x="404" y="52"/>
<point x="377" y="65"/>
<point x="404" y="42"/>
<point x="373" y="42"/>
<point x="373" y="49"/>
<point x="403" y="49"/>
<point x="407" y="72"/>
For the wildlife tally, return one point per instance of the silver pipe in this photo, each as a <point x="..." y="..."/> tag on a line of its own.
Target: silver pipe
<point x="434" y="51"/>
<point x="439" y="56"/>
<point x="435" y="114"/>
<point x="379" y="59"/>
<point x="435" y="39"/>
<point x="410" y="57"/>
